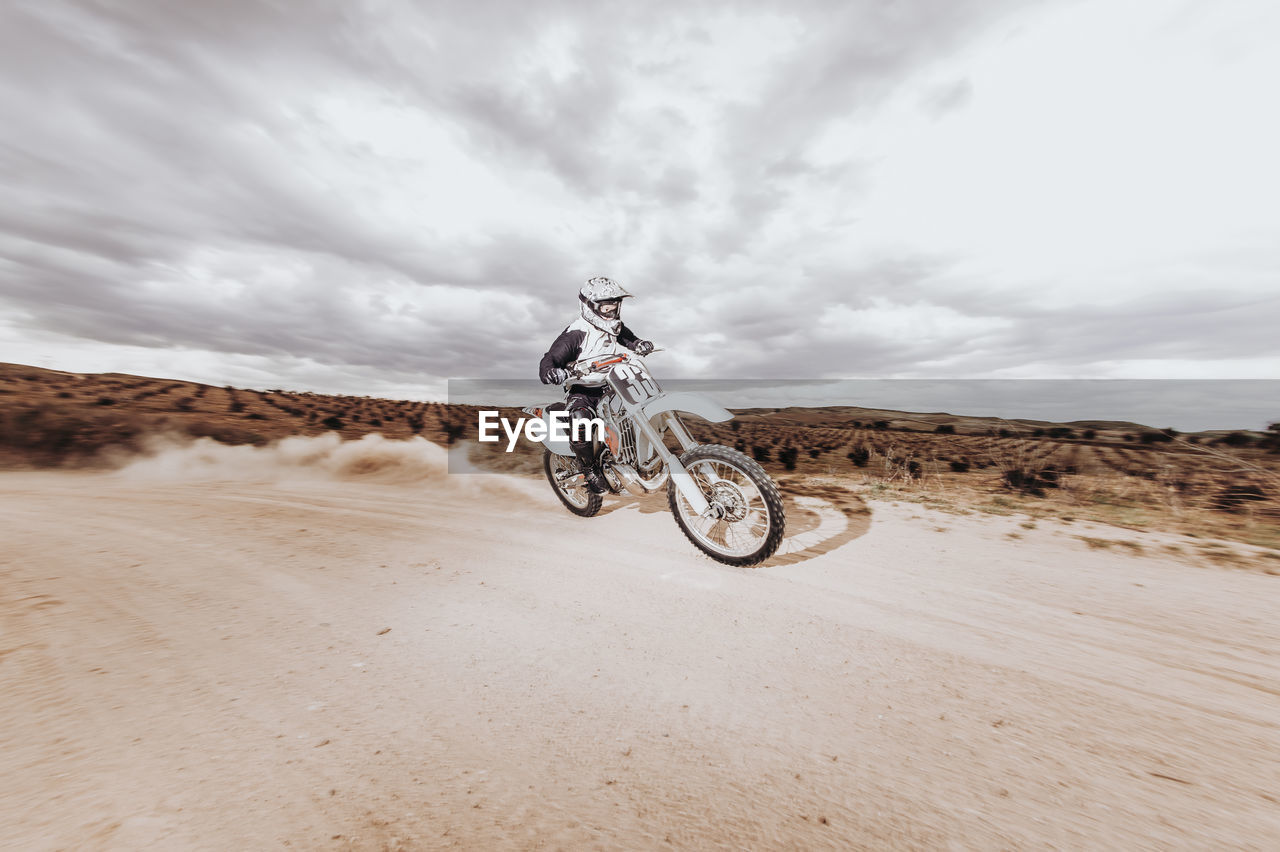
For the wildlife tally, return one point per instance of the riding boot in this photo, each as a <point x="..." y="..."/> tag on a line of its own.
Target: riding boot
<point x="590" y="471"/>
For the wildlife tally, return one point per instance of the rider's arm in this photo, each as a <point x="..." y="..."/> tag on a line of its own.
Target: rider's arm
<point x="563" y="352"/>
<point x="627" y="337"/>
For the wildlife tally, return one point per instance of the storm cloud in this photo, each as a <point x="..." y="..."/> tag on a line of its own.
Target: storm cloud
<point x="390" y="194"/>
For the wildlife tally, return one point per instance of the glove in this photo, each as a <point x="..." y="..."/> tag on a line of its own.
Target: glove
<point x="556" y="376"/>
<point x="643" y="347"/>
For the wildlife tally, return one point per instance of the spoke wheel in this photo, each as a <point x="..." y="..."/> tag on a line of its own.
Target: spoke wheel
<point x="566" y="480"/>
<point x="745" y="521"/>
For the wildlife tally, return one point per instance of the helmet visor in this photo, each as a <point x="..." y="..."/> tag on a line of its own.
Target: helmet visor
<point x="609" y="308"/>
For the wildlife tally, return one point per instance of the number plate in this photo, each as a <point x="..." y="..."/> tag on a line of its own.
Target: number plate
<point x="633" y="383"/>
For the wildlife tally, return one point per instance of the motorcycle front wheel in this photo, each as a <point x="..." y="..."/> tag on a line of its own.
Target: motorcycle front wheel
<point x="563" y="472"/>
<point x="745" y="521"/>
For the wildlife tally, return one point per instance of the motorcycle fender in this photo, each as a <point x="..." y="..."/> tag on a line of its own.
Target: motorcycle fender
<point x="694" y="403"/>
<point x="560" y="448"/>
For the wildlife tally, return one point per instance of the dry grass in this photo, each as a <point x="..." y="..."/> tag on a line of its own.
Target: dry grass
<point x="1107" y="543"/>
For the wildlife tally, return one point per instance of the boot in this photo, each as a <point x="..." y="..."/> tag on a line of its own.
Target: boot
<point x="595" y="481"/>
<point x="590" y="471"/>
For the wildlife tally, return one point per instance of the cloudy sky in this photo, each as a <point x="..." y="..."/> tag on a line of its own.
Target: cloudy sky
<point x="372" y="196"/>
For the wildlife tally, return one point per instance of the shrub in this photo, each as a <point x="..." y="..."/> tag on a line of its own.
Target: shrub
<point x="1233" y="497"/>
<point x="105" y="400"/>
<point x="761" y="454"/>
<point x="959" y="467"/>
<point x="236" y="406"/>
<point x="860" y="457"/>
<point x="331" y="422"/>
<point x="1033" y="482"/>
<point x="1089" y="434"/>
<point x="788" y="456"/>
<point x="1024" y="481"/>
<point x="225" y="434"/>
<point x="945" y="429"/>
<point x="187" y="403"/>
<point x="814" y="453"/>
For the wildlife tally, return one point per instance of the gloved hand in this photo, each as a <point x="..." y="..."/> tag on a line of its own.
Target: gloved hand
<point x="643" y="347"/>
<point x="556" y="376"/>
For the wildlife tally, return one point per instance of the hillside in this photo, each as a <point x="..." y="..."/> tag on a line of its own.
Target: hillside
<point x="48" y="417"/>
<point x="1222" y="484"/>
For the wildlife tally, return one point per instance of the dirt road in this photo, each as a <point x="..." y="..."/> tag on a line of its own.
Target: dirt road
<point x="324" y="647"/>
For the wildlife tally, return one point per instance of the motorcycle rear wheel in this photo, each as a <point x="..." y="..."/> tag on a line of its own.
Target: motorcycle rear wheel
<point x="747" y="520"/>
<point x="561" y="471"/>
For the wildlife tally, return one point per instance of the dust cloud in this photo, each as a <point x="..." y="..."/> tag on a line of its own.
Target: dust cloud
<point x="372" y="459"/>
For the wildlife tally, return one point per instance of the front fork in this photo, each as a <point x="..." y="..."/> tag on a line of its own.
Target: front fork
<point x="683" y="481"/>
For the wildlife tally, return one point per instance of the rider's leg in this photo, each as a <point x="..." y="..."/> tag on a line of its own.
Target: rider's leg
<point x="582" y="408"/>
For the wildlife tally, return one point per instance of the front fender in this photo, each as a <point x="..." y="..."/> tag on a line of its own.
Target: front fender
<point x="560" y="448"/>
<point x="694" y="403"/>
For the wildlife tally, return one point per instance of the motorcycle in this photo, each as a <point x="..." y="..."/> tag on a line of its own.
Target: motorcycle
<point x="724" y="502"/>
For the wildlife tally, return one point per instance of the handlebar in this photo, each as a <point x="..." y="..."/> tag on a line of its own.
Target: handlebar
<point x="600" y="364"/>
<point x="596" y="366"/>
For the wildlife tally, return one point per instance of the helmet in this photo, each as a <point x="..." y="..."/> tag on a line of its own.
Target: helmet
<point x="602" y="303"/>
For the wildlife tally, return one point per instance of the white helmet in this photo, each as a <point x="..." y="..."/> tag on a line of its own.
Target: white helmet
<point x="602" y="303"/>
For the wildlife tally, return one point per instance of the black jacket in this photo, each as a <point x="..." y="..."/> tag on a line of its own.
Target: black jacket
<point x="581" y="339"/>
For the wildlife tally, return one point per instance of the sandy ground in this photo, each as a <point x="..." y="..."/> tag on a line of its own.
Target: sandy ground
<point x="260" y="649"/>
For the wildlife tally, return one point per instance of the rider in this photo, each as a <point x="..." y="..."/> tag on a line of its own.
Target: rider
<point x="594" y="333"/>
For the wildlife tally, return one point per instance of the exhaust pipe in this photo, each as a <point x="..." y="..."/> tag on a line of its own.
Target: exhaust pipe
<point x="629" y="479"/>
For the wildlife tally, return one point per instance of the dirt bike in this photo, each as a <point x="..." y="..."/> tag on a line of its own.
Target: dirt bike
<point x="724" y="502"/>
